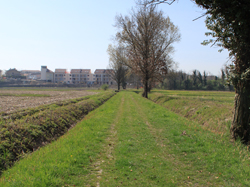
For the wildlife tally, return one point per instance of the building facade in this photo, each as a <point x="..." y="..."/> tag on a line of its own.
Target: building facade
<point x="13" y="73"/>
<point x="31" y="74"/>
<point x="46" y="74"/>
<point x="82" y="76"/>
<point x="102" y="76"/>
<point x="62" y="76"/>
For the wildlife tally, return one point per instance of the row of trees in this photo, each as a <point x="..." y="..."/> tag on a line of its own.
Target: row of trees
<point x="179" y="80"/>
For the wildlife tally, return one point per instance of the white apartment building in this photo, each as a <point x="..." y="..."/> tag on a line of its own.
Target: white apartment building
<point x="102" y="76"/>
<point x="62" y="76"/>
<point x="46" y="74"/>
<point x="82" y="76"/>
<point x="77" y="76"/>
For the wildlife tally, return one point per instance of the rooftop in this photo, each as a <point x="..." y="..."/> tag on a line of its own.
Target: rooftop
<point x="99" y="71"/>
<point x="80" y="71"/>
<point x="30" y="71"/>
<point x="60" y="70"/>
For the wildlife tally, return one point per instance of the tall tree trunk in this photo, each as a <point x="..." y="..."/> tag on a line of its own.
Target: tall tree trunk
<point x="118" y="84"/>
<point x="145" y="92"/>
<point x="240" y="127"/>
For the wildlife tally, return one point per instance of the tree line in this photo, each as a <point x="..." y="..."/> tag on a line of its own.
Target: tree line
<point x="179" y="80"/>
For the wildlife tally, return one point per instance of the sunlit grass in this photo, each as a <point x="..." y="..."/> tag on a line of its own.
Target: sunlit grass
<point x="67" y="159"/>
<point x="131" y="141"/>
<point x="212" y="110"/>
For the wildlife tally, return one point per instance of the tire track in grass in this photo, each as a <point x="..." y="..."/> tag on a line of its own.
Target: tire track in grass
<point x="165" y="154"/>
<point x="198" y="153"/>
<point x="110" y="142"/>
<point x="136" y="161"/>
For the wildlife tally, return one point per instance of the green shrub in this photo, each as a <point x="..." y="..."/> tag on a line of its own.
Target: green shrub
<point x="105" y="86"/>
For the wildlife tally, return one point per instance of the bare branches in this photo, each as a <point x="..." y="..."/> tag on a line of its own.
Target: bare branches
<point x="117" y="61"/>
<point x="200" y="16"/>
<point x="170" y="2"/>
<point x="147" y="37"/>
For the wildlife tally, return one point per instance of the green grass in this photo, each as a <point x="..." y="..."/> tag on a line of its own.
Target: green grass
<point x="131" y="141"/>
<point x="62" y="161"/>
<point x="212" y="110"/>
<point x="27" y="132"/>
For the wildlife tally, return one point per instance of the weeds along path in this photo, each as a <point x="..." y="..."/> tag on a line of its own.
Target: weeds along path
<point x="94" y="178"/>
<point x="67" y="161"/>
<point x="131" y="141"/>
<point x="156" y="147"/>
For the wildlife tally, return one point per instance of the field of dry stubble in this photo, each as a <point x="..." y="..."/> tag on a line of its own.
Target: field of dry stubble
<point x="16" y="99"/>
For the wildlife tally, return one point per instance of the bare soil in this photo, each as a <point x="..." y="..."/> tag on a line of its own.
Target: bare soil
<point x="9" y="104"/>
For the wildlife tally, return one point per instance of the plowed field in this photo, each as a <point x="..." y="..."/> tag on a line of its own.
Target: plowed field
<point x="11" y="100"/>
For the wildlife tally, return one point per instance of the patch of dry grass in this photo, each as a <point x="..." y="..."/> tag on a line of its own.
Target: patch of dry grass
<point x="12" y="103"/>
<point x="212" y="110"/>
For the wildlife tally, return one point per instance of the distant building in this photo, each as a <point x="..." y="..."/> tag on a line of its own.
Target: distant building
<point x="13" y="73"/>
<point x="31" y="74"/>
<point x="212" y="77"/>
<point x="43" y="72"/>
<point x="102" y="76"/>
<point x="1" y="73"/>
<point x="82" y="76"/>
<point x="62" y="76"/>
<point x="46" y="74"/>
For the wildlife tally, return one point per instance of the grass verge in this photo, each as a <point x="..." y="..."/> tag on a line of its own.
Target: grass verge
<point x="213" y="110"/>
<point x="33" y="131"/>
<point x="66" y="161"/>
<point x="131" y="141"/>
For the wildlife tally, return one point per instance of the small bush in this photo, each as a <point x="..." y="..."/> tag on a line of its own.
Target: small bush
<point x="105" y="86"/>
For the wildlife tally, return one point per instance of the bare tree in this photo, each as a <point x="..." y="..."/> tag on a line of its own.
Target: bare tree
<point x="148" y="37"/>
<point x="134" y="79"/>
<point x="117" y="61"/>
<point x="160" y="1"/>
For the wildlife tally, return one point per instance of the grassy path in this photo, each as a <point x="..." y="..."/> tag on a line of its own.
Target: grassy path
<point x="131" y="141"/>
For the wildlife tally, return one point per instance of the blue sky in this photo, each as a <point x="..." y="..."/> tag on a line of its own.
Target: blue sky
<point x="76" y="34"/>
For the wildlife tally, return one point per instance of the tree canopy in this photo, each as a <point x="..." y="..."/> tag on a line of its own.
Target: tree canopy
<point x="147" y="37"/>
<point x="117" y="61"/>
<point x="229" y="23"/>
